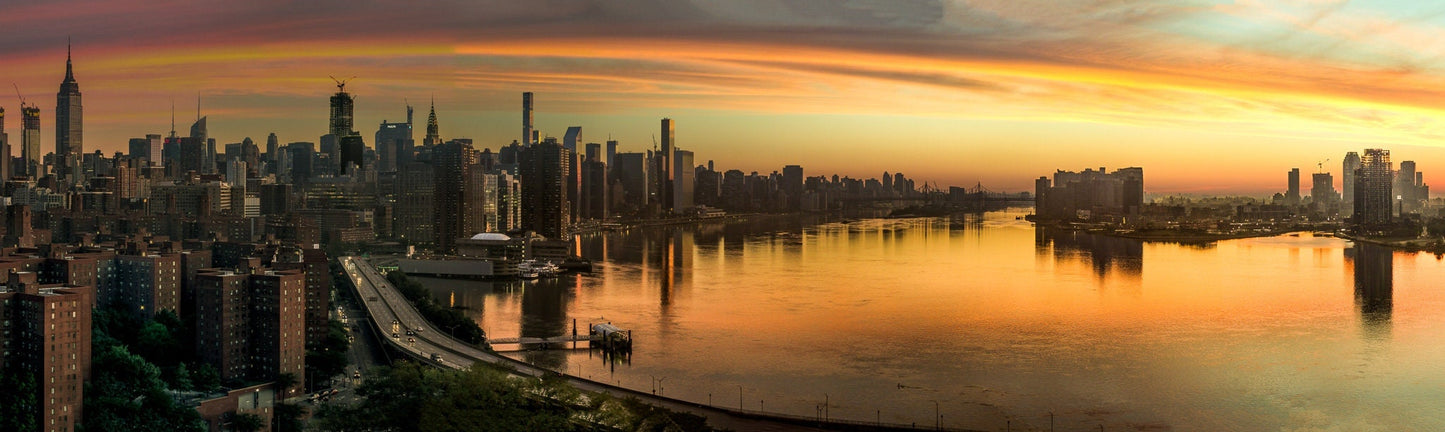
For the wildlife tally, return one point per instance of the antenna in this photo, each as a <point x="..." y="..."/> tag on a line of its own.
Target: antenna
<point x="341" y="83"/>
<point x="173" y="117"/>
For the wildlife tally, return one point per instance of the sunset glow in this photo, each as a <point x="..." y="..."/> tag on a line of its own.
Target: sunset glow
<point x="952" y="92"/>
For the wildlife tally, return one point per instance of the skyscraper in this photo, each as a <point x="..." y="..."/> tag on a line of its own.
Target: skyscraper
<point x="394" y="144"/>
<point x="454" y="161"/>
<point x="665" y="164"/>
<point x="30" y="139"/>
<point x="572" y="141"/>
<point x="793" y="186"/>
<point x="1351" y="164"/>
<point x="526" y="118"/>
<point x="414" y="222"/>
<point x="1372" y="188"/>
<point x="1292" y="196"/>
<point x="68" y="131"/>
<point x="1408" y="188"/>
<point x="1323" y="192"/>
<point x="193" y="148"/>
<point x="684" y="181"/>
<point x="342" y="106"/>
<point x="433" y="137"/>
<point x="352" y="150"/>
<point x="4" y="149"/>
<point x="543" y="168"/>
<point x="271" y="145"/>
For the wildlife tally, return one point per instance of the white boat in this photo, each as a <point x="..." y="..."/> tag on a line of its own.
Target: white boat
<point x="547" y="269"/>
<point x="528" y="269"/>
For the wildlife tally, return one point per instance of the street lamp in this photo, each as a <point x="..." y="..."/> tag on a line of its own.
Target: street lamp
<point x="740" y="397"/>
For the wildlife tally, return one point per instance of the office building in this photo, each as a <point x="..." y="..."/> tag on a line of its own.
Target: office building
<point x="30" y="141"/>
<point x="433" y="134"/>
<point x="1323" y="195"/>
<point x="664" y="162"/>
<point x="1292" y="195"/>
<point x="527" y="118"/>
<point x="352" y="151"/>
<point x="414" y="222"/>
<point x="1086" y="195"/>
<point x="394" y="144"/>
<point x="1351" y="164"/>
<point x="684" y="180"/>
<point x="69" y="144"/>
<point x="543" y="168"/>
<point x="5" y="159"/>
<point x="453" y="161"/>
<point x="1410" y="189"/>
<point x="633" y="175"/>
<point x="509" y="202"/>
<point x="572" y="142"/>
<point x="793" y="186"/>
<point x="1373" y="191"/>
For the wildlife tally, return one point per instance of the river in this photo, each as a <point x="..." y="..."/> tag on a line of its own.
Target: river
<point x="986" y="322"/>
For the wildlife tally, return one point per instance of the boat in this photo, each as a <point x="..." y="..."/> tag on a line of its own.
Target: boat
<point x="547" y="269"/>
<point x="527" y="269"/>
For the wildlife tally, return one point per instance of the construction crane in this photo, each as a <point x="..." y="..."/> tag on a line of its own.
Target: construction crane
<point x="1321" y="165"/>
<point x="17" y="95"/>
<point x="341" y="83"/>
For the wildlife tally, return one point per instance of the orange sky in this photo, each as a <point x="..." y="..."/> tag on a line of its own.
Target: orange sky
<point x="1209" y="97"/>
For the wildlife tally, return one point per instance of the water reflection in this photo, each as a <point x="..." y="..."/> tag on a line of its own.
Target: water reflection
<point x="1374" y="268"/>
<point x="1103" y="253"/>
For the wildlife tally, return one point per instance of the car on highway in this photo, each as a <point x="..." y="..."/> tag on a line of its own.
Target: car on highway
<point x="410" y="333"/>
<point x="419" y="329"/>
<point x="394" y="335"/>
<point x="411" y="340"/>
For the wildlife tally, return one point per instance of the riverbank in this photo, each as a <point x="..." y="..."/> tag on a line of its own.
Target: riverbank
<point x="1434" y="246"/>
<point x="1175" y="235"/>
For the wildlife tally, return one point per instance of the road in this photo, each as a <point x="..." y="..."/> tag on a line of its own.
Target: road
<point x="384" y="304"/>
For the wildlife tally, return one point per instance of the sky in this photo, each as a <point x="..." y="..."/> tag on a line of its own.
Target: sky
<point x="1210" y="97"/>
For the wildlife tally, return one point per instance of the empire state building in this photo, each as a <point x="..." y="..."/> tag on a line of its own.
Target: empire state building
<point x="68" y="142"/>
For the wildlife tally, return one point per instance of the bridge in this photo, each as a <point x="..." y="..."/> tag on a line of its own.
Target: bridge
<point x="384" y="305"/>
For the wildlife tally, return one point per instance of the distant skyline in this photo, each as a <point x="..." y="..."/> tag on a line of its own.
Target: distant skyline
<point x="1208" y="97"/>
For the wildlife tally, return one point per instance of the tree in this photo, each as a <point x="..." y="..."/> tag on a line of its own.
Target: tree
<point x="329" y="359"/>
<point x="284" y="381"/>
<point x="287" y="418"/>
<point x="244" y="422"/>
<point x="20" y="402"/>
<point x="206" y="379"/>
<point x="126" y="394"/>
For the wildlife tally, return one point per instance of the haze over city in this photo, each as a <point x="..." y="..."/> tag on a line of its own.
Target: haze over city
<point x="949" y="92"/>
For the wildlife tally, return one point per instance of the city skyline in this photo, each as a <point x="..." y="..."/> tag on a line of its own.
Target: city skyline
<point x="1187" y="91"/>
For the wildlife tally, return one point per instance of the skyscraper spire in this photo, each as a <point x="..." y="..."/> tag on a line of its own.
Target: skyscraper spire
<point x="432" y="137"/>
<point x="69" y="73"/>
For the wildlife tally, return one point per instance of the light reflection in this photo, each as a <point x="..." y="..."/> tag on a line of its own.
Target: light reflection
<point x="1102" y="253"/>
<point x="1374" y="268"/>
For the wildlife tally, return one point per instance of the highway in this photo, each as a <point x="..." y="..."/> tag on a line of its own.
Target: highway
<point x="384" y="304"/>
